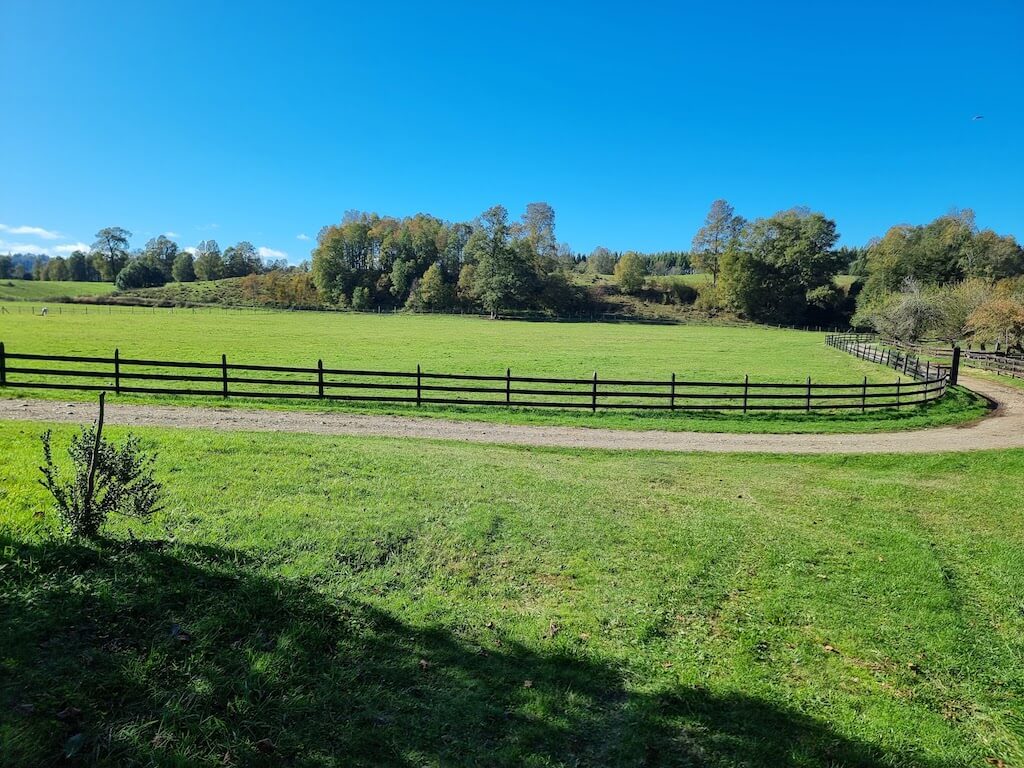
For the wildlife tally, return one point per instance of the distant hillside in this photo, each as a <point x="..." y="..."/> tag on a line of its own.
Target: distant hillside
<point x="35" y="290"/>
<point x="225" y="292"/>
<point x="670" y="298"/>
<point x="660" y="300"/>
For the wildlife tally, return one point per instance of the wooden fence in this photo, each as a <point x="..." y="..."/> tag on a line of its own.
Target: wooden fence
<point x="1002" y="363"/>
<point x="864" y="346"/>
<point x="223" y="379"/>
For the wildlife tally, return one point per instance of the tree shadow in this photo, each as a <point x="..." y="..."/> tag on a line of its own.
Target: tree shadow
<point x="125" y="653"/>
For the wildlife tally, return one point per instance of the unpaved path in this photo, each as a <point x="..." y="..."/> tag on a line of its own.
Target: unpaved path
<point x="1003" y="428"/>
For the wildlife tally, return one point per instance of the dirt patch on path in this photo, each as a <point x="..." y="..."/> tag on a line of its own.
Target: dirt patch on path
<point x="1003" y="428"/>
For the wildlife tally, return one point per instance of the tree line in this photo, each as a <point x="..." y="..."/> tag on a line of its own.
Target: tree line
<point x="779" y="269"/>
<point x="425" y="262"/>
<point x="161" y="260"/>
<point x="945" y="280"/>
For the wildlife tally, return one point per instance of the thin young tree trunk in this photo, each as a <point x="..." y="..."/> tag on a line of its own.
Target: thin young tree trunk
<point x="90" y="486"/>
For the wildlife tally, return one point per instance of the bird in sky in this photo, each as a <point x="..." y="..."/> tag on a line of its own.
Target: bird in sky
<point x="978" y="117"/>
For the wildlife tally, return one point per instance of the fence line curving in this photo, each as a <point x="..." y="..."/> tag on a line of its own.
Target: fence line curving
<point x="1001" y="363"/>
<point x="864" y="346"/>
<point x="220" y="378"/>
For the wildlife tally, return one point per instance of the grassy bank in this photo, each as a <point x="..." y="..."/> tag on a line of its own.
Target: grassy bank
<point x="46" y="290"/>
<point x="368" y="602"/>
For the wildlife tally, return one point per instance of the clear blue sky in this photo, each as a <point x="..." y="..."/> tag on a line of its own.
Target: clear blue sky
<point x="266" y="120"/>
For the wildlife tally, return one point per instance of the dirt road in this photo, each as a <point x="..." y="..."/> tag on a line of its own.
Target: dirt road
<point x="1003" y="428"/>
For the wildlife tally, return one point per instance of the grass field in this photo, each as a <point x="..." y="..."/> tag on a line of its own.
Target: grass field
<point x="45" y="290"/>
<point x="471" y="345"/>
<point x="376" y="602"/>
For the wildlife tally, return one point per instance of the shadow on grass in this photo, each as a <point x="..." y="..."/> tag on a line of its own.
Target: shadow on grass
<point x="141" y="654"/>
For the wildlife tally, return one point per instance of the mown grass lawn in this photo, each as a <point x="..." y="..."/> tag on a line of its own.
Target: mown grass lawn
<point x="46" y="290"/>
<point x="472" y="345"/>
<point x="376" y="602"/>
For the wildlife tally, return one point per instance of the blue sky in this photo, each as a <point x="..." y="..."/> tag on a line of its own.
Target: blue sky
<point x="265" y="121"/>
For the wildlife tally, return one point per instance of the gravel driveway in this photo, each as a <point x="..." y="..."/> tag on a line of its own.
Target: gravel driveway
<point x="1003" y="428"/>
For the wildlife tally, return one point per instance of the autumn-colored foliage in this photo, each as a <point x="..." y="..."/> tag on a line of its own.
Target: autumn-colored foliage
<point x="999" y="319"/>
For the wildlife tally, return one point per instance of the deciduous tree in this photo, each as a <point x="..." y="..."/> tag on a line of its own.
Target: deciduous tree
<point x="630" y="272"/>
<point x="111" y="246"/>
<point x="601" y="261"/>
<point x="778" y="261"/>
<point x="539" y="228"/>
<point x="163" y="251"/>
<point x="208" y="263"/>
<point x="432" y="290"/>
<point x="241" y="259"/>
<point x="999" y="319"/>
<point x="183" y="269"/>
<point x="721" y="231"/>
<point x="502" y="274"/>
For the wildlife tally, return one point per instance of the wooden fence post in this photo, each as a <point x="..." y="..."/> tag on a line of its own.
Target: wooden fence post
<point x="224" y="374"/>
<point x="508" y="386"/>
<point x="419" y="384"/>
<point x="3" y="365"/>
<point x="672" y="396"/>
<point x="808" y="394"/>
<point x="746" y="389"/>
<point x="864" y="396"/>
<point x="117" y="371"/>
<point x="593" y="395"/>
<point x="954" y="368"/>
<point x="320" y="378"/>
<point x="898" y="379"/>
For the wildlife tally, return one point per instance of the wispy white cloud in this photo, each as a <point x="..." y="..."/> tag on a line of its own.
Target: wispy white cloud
<point x="302" y="237"/>
<point x="69" y="248"/>
<point x="270" y="253"/>
<point x="204" y="227"/>
<point x="171" y="234"/>
<point x="7" y="246"/>
<point x="46" y="234"/>
<point x="192" y="249"/>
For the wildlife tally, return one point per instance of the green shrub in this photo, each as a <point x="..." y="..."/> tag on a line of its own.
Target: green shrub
<point x="361" y="298"/>
<point x="103" y="478"/>
<point x="710" y="298"/>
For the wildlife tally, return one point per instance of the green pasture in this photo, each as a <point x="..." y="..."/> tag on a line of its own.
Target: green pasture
<point x="321" y="601"/>
<point x="452" y="344"/>
<point x="45" y="290"/>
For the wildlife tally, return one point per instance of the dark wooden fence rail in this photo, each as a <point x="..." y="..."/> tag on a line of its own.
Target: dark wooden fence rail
<point x="125" y="375"/>
<point x="865" y="347"/>
<point x="1002" y="363"/>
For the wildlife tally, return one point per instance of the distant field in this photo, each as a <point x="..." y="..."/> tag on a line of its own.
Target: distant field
<point x="407" y="602"/>
<point x="451" y="344"/>
<point x="445" y="343"/>
<point x="45" y="290"/>
<point x="695" y="280"/>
